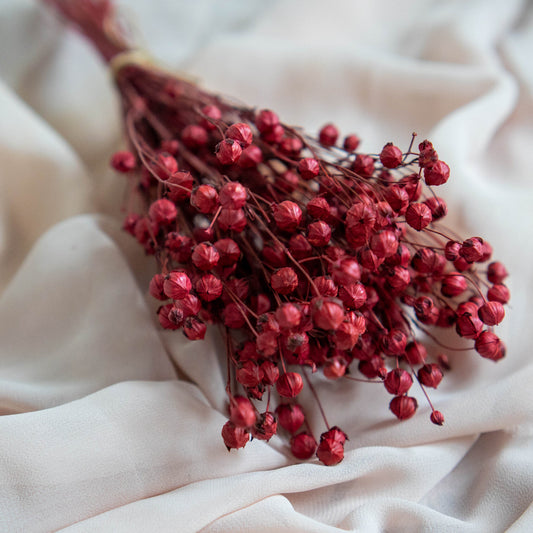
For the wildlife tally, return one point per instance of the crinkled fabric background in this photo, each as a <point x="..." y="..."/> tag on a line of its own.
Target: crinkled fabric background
<point x="97" y="432"/>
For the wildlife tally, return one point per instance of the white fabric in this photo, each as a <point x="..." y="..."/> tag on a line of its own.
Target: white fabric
<point x="98" y="434"/>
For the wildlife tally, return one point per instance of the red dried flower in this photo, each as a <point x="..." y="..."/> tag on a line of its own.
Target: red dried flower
<point x="234" y="437"/>
<point x="273" y="274"/>
<point x="403" y="407"/>
<point x="303" y="446"/>
<point x="289" y="384"/>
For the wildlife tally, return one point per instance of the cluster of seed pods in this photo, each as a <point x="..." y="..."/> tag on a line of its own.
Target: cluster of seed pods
<point x="311" y="256"/>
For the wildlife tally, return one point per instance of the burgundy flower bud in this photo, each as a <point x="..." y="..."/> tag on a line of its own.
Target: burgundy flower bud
<point x="163" y="212"/>
<point x="361" y="214"/>
<point x="194" y="329"/>
<point x="418" y="216"/>
<point x="205" y="256"/>
<point x="287" y="215"/>
<point x="430" y="375"/>
<point x="398" y="279"/>
<point x="412" y="185"/>
<point x="384" y="243"/>
<point x="290" y="417"/>
<point x="232" y="220"/>
<point x="428" y="155"/>
<point x="451" y="250"/>
<point x="319" y="208"/>
<point x="403" y="407"/>
<point x="345" y="271"/>
<point x="190" y="305"/>
<point x="265" y="427"/>
<point x="289" y="384"/>
<point x="437" y="418"/>
<point x="393" y="342"/>
<point x="209" y="287"/>
<point x="303" y="446"/>
<point x="453" y="285"/>
<point x="397" y="198"/>
<point x="489" y="346"/>
<point x="491" y="313"/>
<point x="194" y="136"/>
<point x="437" y="206"/>
<point x="426" y="311"/>
<point x="335" y="368"/>
<point x="398" y="381"/>
<point x="228" y="152"/>
<point x="499" y="293"/>
<point x="275" y="135"/>
<point x="415" y="353"/>
<point x="391" y="156"/>
<point x="351" y="142"/>
<point x="267" y="343"/>
<point x="353" y="296"/>
<point x="496" y="272"/>
<point x="241" y="133"/>
<point x="370" y="260"/>
<point x="363" y="165"/>
<point x="270" y="372"/>
<point x="165" y="165"/>
<point x="328" y="135"/>
<point x="268" y="322"/>
<point x="291" y="147"/>
<point x="308" y="168"/>
<point x="251" y="157"/>
<point x="146" y="230"/>
<point x="179" y="186"/>
<point x="288" y="316"/>
<point x="330" y="451"/>
<point x="468" y="326"/>
<point x="347" y="334"/>
<point x="288" y="181"/>
<point x="266" y="120"/>
<point x="176" y="316"/>
<point x="156" y="287"/>
<point x="326" y="286"/>
<point x="299" y="246"/>
<point x="318" y="233"/>
<point x="162" y="315"/>
<point x="372" y="367"/>
<point x="250" y="374"/>
<point x="296" y="343"/>
<point x="436" y="173"/>
<point x="248" y="352"/>
<point x="123" y="161"/>
<point x="205" y="199"/>
<point x="274" y="255"/>
<point x="228" y="250"/>
<point x="461" y="264"/>
<point x="284" y="280"/>
<point x="233" y="195"/>
<point x="327" y="313"/>
<point x="234" y="437"/>
<point x="212" y="115"/>
<point x="242" y="412"/>
<point x="472" y="249"/>
<point x="177" y="285"/>
<point x="233" y="316"/>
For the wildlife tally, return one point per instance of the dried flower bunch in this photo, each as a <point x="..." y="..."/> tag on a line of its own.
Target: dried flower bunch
<point x="313" y="257"/>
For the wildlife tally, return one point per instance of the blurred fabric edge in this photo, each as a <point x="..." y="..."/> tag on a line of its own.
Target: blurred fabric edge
<point x="456" y="72"/>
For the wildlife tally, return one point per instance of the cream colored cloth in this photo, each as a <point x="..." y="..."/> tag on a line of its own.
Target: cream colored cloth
<point x="97" y="432"/>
